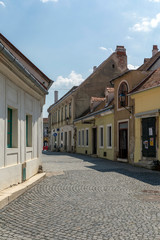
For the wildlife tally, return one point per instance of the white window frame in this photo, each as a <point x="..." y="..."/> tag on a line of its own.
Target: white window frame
<point x="82" y="136"/>
<point x="107" y="135"/>
<point x="87" y="129"/>
<point x="101" y="127"/>
<point x="79" y="138"/>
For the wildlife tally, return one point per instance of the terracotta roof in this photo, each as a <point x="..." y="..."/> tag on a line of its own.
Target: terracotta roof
<point x="97" y="99"/>
<point x="149" y="63"/>
<point x="151" y="81"/>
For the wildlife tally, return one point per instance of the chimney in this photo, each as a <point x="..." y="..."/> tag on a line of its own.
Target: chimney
<point x="55" y="96"/>
<point x="121" y="58"/>
<point x="155" y="50"/>
<point x="120" y="50"/>
<point x="94" y="68"/>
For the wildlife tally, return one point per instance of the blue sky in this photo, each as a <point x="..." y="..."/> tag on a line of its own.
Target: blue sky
<point x="66" y="38"/>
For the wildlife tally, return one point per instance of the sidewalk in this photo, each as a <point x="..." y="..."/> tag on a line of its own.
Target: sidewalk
<point x="9" y="194"/>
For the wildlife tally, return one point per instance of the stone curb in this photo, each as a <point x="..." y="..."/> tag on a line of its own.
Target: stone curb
<point x="10" y="194"/>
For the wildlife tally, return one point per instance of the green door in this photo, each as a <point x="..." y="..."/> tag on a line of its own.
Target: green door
<point x="149" y="137"/>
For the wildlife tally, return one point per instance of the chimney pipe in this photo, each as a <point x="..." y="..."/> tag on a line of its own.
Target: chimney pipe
<point x="155" y="50"/>
<point x="55" y="96"/>
<point x="94" y="68"/>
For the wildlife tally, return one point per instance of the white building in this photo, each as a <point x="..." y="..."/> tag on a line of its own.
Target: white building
<point x="22" y="95"/>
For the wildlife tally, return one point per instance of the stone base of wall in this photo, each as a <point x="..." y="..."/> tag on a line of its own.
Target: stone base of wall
<point x="10" y="175"/>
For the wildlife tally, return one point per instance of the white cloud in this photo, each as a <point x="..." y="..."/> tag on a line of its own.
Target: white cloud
<point x="146" y="24"/>
<point x="106" y="49"/>
<point x="2" y="4"/>
<point x="154" y="0"/>
<point x="73" y="79"/>
<point x="131" y="67"/>
<point x="103" y="48"/>
<point x="45" y="1"/>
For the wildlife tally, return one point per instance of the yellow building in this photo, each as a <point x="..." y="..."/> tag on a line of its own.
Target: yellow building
<point x="95" y="130"/>
<point x="147" y="121"/>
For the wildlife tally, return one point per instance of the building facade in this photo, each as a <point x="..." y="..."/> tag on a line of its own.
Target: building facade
<point x="76" y="103"/>
<point x="22" y="95"/>
<point x="147" y="121"/>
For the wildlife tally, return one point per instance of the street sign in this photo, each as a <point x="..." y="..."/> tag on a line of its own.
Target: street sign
<point x="55" y="134"/>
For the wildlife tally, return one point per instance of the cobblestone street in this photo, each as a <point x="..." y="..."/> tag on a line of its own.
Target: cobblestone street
<point x="84" y="198"/>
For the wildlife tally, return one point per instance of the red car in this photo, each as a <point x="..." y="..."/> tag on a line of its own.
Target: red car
<point x="45" y="148"/>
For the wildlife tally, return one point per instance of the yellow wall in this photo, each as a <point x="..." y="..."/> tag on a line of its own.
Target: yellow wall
<point x="83" y="149"/>
<point x="99" y="121"/>
<point x="104" y="121"/>
<point x="145" y="101"/>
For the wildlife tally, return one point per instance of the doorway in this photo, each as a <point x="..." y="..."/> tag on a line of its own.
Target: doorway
<point x="94" y="139"/>
<point x="123" y="140"/>
<point x="149" y="137"/>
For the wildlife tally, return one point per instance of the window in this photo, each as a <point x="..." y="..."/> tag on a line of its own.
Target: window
<point x="12" y="128"/>
<point x="83" y="137"/>
<point x="65" y="111"/>
<point x="109" y="136"/>
<point x="9" y="129"/>
<point x="87" y="136"/>
<point x="69" y="110"/>
<point x="122" y="95"/>
<point x="28" y="131"/>
<point x="101" y="136"/>
<point x="59" y="115"/>
<point x="62" y="136"/>
<point x="79" y="138"/>
<point x="62" y="114"/>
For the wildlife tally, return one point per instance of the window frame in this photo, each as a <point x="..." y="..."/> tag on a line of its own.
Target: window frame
<point x="79" y="138"/>
<point x="109" y="126"/>
<point x="87" y="137"/>
<point x="82" y="135"/>
<point x="9" y="129"/>
<point x="100" y="143"/>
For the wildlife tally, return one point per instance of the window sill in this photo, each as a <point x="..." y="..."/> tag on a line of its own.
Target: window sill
<point x="12" y="151"/>
<point x="29" y="149"/>
<point x="109" y="147"/>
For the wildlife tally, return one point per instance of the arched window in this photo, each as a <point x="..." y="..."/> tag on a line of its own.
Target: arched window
<point x="122" y="95"/>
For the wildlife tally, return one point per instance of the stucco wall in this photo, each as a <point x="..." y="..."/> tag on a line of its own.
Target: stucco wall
<point x="99" y="121"/>
<point x="146" y="101"/>
<point x="11" y="159"/>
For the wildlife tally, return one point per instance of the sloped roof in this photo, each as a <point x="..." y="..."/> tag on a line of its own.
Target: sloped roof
<point x="24" y="61"/>
<point x="151" y="81"/>
<point x="102" y="107"/>
<point x="62" y="98"/>
<point x="148" y="64"/>
<point x="97" y="99"/>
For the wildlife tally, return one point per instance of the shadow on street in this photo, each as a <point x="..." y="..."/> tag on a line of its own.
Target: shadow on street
<point x="103" y="165"/>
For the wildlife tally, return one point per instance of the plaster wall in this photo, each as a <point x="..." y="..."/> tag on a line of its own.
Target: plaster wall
<point x="11" y="159"/>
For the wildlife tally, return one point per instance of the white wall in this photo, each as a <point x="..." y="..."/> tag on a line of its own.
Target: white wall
<point x="11" y="159"/>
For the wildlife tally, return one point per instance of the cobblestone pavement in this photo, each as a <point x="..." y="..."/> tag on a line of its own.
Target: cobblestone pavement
<point x="84" y="198"/>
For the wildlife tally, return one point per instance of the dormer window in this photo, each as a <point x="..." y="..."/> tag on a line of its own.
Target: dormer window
<point x="122" y="95"/>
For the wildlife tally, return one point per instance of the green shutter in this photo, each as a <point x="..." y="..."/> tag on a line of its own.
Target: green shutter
<point x="9" y="128"/>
